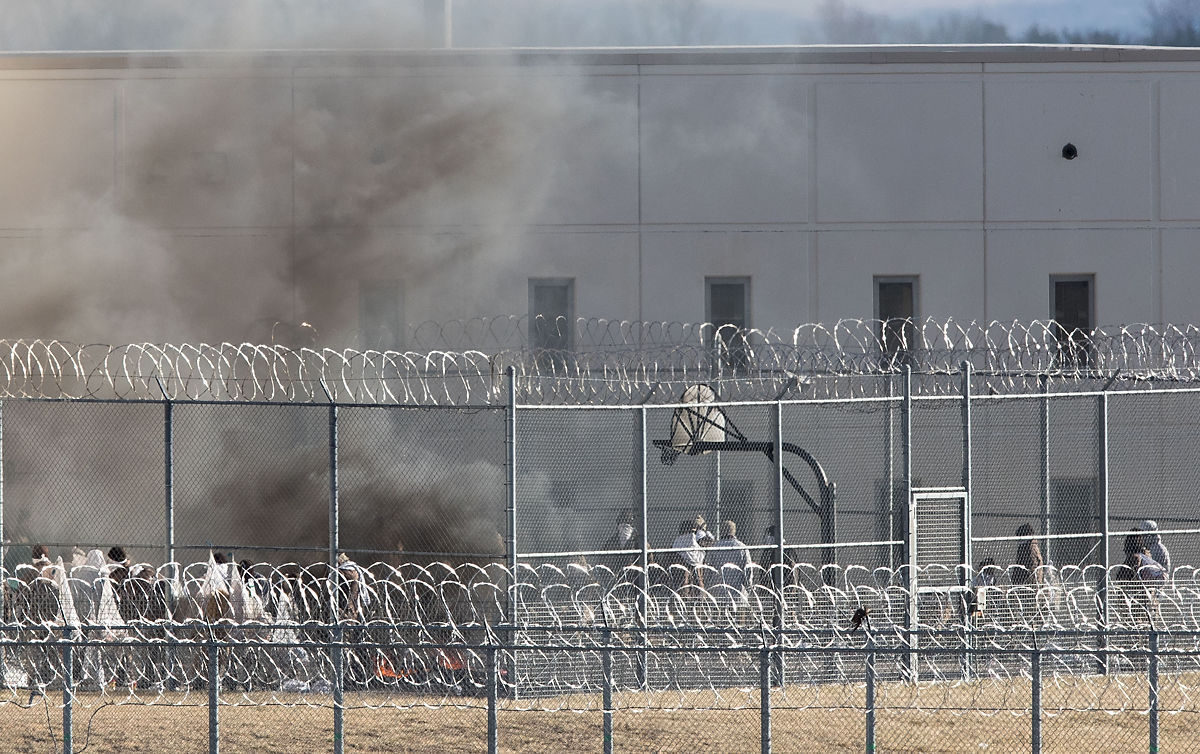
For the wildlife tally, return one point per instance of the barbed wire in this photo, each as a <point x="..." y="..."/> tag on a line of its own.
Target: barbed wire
<point x="428" y="629"/>
<point x="465" y="363"/>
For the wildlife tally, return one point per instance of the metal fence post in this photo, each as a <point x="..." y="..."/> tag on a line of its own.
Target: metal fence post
<point x="911" y="606"/>
<point x="894" y="555"/>
<point x="2" y="550"/>
<point x="169" y="480"/>
<point x="3" y="573"/>
<point x="606" y="673"/>
<point x="1153" y="682"/>
<point x="334" y="517"/>
<point x="1105" y="614"/>
<point x="764" y="699"/>
<point x="870" y="700"/>
<point x="780" y="560"/>
<point x="493" y="700"/>
<point x="337" y="650"/>
<point x="68" y="660"/>
<point x="511" y="525"/>
<point x="1044" y="417"/>
<point x="511" y="539"/>
<point x="644" y="591"/>
<point x="968" y="550"/>
<point x="214" y="724"/>
<point x="1036" y="704"/>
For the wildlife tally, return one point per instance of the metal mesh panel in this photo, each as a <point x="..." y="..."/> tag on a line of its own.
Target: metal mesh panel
<point x="576" y="472"/>
<point x="940" y="539"/>
<point x="736" y="486"/>
<point x="851" y="442"/>
<point x="748" y="493"/>
<point x="1074" y="505"/>
<point x="422" y="480"/>
<point x="1006" y="471"/>
<point x="939" y="532"/>
<point x="253" y="480"/>
<point x="1155" y="465"/>
<point x="86" y="474"/>
<point x="937" y="442"/>
<point x="678" y="490"/>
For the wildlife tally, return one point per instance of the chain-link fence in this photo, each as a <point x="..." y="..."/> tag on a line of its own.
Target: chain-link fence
<point x="625" y="532"/>
<point x="1076" y="481"/>
<point x="107" y="657"/>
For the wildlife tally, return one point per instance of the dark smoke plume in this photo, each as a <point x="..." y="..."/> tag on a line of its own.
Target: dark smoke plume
<point x="408" y="176"/>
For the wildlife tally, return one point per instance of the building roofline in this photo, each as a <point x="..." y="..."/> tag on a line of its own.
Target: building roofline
<point x="741" y="55"/>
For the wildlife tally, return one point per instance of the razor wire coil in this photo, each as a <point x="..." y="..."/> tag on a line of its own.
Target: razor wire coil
<point x="417" y="633"/>
<point x="464" y="363"/>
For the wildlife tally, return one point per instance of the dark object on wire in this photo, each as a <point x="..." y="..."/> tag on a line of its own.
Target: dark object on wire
<point x="862" y="616"/>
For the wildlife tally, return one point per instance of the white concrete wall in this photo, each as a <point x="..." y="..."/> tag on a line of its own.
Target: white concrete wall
<point x="57" y="138"/>
<point x="899" y="149"/>
<point x="1031" y="116"/>
<point x="197" y="200"/>
<point x="730" y="148"/>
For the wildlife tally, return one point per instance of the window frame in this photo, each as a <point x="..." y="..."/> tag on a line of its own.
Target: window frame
<point x="734" y="356"/>
<point x="1080" y="355"/>
<point x="364" y="286"/>
<point x="891" y="353"/>
<point x="535" y="343"/>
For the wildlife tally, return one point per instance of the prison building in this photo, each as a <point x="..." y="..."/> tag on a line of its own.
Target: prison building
<point x="348" y="197"/>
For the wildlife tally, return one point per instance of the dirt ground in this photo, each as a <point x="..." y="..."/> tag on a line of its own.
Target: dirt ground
<point x="803" y="720"/>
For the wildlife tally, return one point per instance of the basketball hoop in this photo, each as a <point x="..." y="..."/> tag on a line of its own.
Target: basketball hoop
<point x="690" y="425"/>
<point x="699" y="426"/>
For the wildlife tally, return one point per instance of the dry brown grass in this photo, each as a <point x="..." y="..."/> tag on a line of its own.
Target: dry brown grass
<point x="984" y="716"/>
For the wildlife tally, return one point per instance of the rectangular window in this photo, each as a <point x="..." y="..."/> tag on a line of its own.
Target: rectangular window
<point x="727" y="308"/>
<point x="896" y="310"/>
<point x="1072" y="306"/>
<point x="551" y="317"/>
<point x="381" y="315"/>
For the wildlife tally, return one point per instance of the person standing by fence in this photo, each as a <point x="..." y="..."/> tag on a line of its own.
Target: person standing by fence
<point x="1153" y="543"/>
<point x="1027" y="562"/>
<point x="729" y="558"/>
<point x="690" y="555"/>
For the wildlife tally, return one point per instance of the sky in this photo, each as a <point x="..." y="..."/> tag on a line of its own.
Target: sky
<point x="1123" y="15"/>
<point x="1107" y="13"/>
<point x="781" y="22"/>
<point x="47" y="25"/>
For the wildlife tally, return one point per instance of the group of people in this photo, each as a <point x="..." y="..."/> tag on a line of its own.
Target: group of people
<point x="697" y="558"/>
<point x="1146" y="557"/>
<point x="106" y="588"/>
<point x="104" y="597"/>
<point x="98" y="577"/>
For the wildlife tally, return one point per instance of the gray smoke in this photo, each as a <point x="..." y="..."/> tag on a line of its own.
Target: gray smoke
<point x="408" y="175"/>
<point x="405" y="177"/>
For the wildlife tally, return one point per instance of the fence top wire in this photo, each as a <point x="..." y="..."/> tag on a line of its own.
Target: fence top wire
<point x="465" y="363"/>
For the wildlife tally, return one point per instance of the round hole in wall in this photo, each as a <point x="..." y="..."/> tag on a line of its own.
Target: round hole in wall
<point x="1070" y="152"/>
